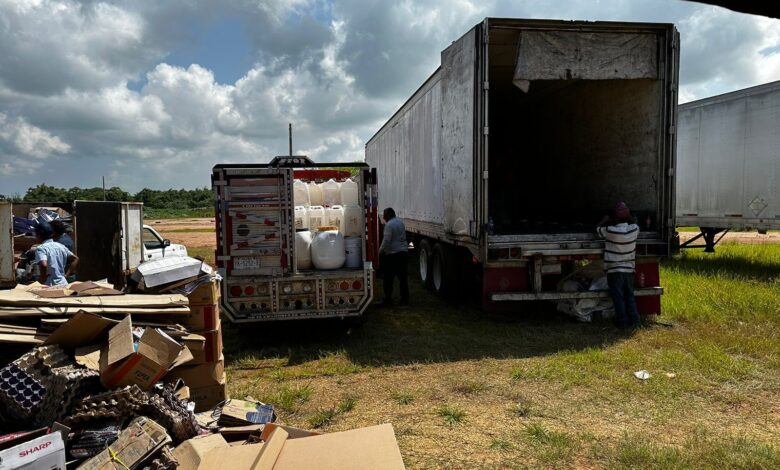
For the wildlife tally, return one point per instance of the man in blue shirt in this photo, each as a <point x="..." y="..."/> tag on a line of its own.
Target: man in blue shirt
<point x="394" y="251"/>
<point x="55" y="262"/>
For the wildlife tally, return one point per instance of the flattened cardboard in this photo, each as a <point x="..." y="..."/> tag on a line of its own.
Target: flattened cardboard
<point x="140" y="440"/>
<point x="243" y="457"/>
<point x="47" y="451"/>
<point x="88" y="356"/>
<point x="373" y="447"/>
<point x="199" y="376"/>
<point x="121" y="364"/>
<point x="190" y="453"/>
<point x="20" y="296"/>
<point x="80" y="330"/>
<point x="205" y="294"/>
<point x="294" y="433"/>
<point x="202" y="318"/>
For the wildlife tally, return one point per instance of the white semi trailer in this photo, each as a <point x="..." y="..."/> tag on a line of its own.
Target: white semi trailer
<point x="728" y="154"/>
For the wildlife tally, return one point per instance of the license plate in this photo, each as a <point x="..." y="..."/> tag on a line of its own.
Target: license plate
<point x="246" y="263"/>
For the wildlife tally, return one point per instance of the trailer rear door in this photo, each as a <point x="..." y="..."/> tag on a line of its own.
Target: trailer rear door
<point x="7" y="278"/>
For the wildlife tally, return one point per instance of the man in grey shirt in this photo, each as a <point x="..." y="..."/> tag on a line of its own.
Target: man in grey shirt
<point x="394" y="253"/>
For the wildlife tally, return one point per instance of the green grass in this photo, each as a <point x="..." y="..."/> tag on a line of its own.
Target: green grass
<point x="288" y="398"/>
<point x="346" y="405"/>
<point x="191" y="230"/>
<point x="150" y="213"/>
<point x="403" y="398"/>
<point x="549" y="392"/>
<point x="207" y="253"/>
<point x="322" y="418"/>
<point x="451" y="414"/>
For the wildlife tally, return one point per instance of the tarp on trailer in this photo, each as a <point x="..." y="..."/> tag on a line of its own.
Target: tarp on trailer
<point x="566" y="55"/>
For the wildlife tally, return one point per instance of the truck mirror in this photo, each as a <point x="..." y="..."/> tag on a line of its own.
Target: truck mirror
<point x="166" y="242"/>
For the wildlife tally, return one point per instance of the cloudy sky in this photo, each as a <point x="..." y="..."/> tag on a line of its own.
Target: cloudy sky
<point x="152" y="94"/>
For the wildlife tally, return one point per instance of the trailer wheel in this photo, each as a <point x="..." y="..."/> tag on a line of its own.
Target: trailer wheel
<point x="425" y="255"/>
<point x="442" y="270"/>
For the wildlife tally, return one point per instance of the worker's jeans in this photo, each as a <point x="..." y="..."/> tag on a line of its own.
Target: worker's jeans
<point x="395" y="265"/>
<point x="621" y="286"/>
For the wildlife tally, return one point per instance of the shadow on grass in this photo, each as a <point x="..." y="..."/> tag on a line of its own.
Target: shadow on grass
<point x="725" y="263"/>
<point x="430" y="330"/>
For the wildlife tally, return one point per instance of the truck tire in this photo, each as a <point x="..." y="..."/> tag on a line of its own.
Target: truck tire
<point x="425" y="255"/>
<point x="442" y="270"/>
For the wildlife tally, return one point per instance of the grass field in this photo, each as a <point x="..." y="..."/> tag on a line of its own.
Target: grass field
<point x="465" y="389"/>
<point x="150" y="213"/>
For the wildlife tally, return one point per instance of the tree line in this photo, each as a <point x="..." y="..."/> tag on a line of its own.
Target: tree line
<point x="152" y="198"/>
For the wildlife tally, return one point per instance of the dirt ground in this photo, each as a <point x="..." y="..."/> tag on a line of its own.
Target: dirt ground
<point x="198" y="233"/>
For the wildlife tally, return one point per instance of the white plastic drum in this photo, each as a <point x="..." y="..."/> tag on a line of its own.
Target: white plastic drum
<point x="301" y="218"/>
<point x="303" y="249"/>
<point x="331" y="193"/>
<point x="317" y="218"/>
<point x="300" y="193"/>
<point x="349" y="193"/>
<point x="353" y="221"/>
<point x="315" y="194"/>
<point x="353" y="247"/>
<point x="327" y="250"/>
<point x="335" y="216"/>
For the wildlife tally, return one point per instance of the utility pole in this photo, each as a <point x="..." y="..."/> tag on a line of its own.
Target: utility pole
<point x="290" y="134"/>
<point x="104" y="188"/>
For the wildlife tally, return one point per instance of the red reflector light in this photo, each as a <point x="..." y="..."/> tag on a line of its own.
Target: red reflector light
<point x="235" y="291"/>
<point x="249" y="290"/>
<point x="474" y="260"/>
<point x="514" y="252"/>
<point x="344" y="285"/>
<point x="357" y="285"/>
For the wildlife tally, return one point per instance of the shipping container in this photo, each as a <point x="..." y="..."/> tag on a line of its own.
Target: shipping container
<point x="507" y="157"/>
<point x="728" y="149"/>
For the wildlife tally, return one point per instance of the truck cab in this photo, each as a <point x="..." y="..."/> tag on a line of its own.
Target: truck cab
<point x="156" y="247"/>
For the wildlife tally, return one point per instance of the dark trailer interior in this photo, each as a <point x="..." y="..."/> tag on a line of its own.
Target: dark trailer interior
<point x="574" y="121"/>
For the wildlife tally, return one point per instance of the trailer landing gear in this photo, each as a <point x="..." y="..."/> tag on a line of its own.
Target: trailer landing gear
<point x="708" y="234"/>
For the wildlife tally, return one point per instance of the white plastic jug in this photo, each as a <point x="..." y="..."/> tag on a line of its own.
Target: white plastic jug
<point x="353" y="221"/>
<point x="349" y="193"/>
<point x="316" y="215"/>
<point x="335" y="216"/>
<point x="331" y="193"/>
<point x="300" y="193"/>
<point x="303" y="249"/>
<point x="327" y="250"/>
<point x="315" y="194"/>
<point x="301" y="218"/>
<point x="353" y="247"/>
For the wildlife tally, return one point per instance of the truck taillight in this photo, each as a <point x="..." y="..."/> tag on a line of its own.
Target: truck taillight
<point x="249" y="290"/>
<point x="344" y="285"/>
<point x="235" y="291"/>
<point x="357" y="285"/>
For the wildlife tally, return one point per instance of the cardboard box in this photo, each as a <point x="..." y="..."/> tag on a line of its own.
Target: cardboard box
<point x="199" y="376"/>
<point x="142" y="438"/>
<point x="121" y="364"/>
<point x="373" y="447"/>
<point x="47" y="451"/>
<point x="167" y="270"/>
<point x="212" y="347"/>
<point x="205" y="294"/>
<point x="190" y="452"/>
<point x="206" y="398"/>
<point x="201" y="318"/>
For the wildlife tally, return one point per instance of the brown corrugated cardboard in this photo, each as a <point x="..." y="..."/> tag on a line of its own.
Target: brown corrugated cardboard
<point x="206" y="398"/>
<point x="121" y="364"/>
<point x="142" y="438"/>
<point x="212" y="347"/>
<point x="199" y="376"/>
<point x="201" y="318"/>
<point x="294" y="433"/>
<point x="190" y="453"/>
<point x="206" y="294"/>
<point x="81" y="329"/>
<point x="373" y="447"/>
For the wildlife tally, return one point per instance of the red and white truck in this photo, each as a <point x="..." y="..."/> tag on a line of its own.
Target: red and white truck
<point x="256" y="252"/>
<point x="505" y="159"/>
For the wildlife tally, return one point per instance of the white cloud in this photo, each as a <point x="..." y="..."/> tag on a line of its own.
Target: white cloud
<point x="336" y="70"/>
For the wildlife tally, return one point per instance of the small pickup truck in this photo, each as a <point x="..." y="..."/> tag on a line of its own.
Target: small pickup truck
<point x="156" y="247"/>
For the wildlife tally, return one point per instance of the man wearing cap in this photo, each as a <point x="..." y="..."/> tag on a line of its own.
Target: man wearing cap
<point x="55" y="262"/>
<point x="619" y="254"/>
<point x="61" y="230"/>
